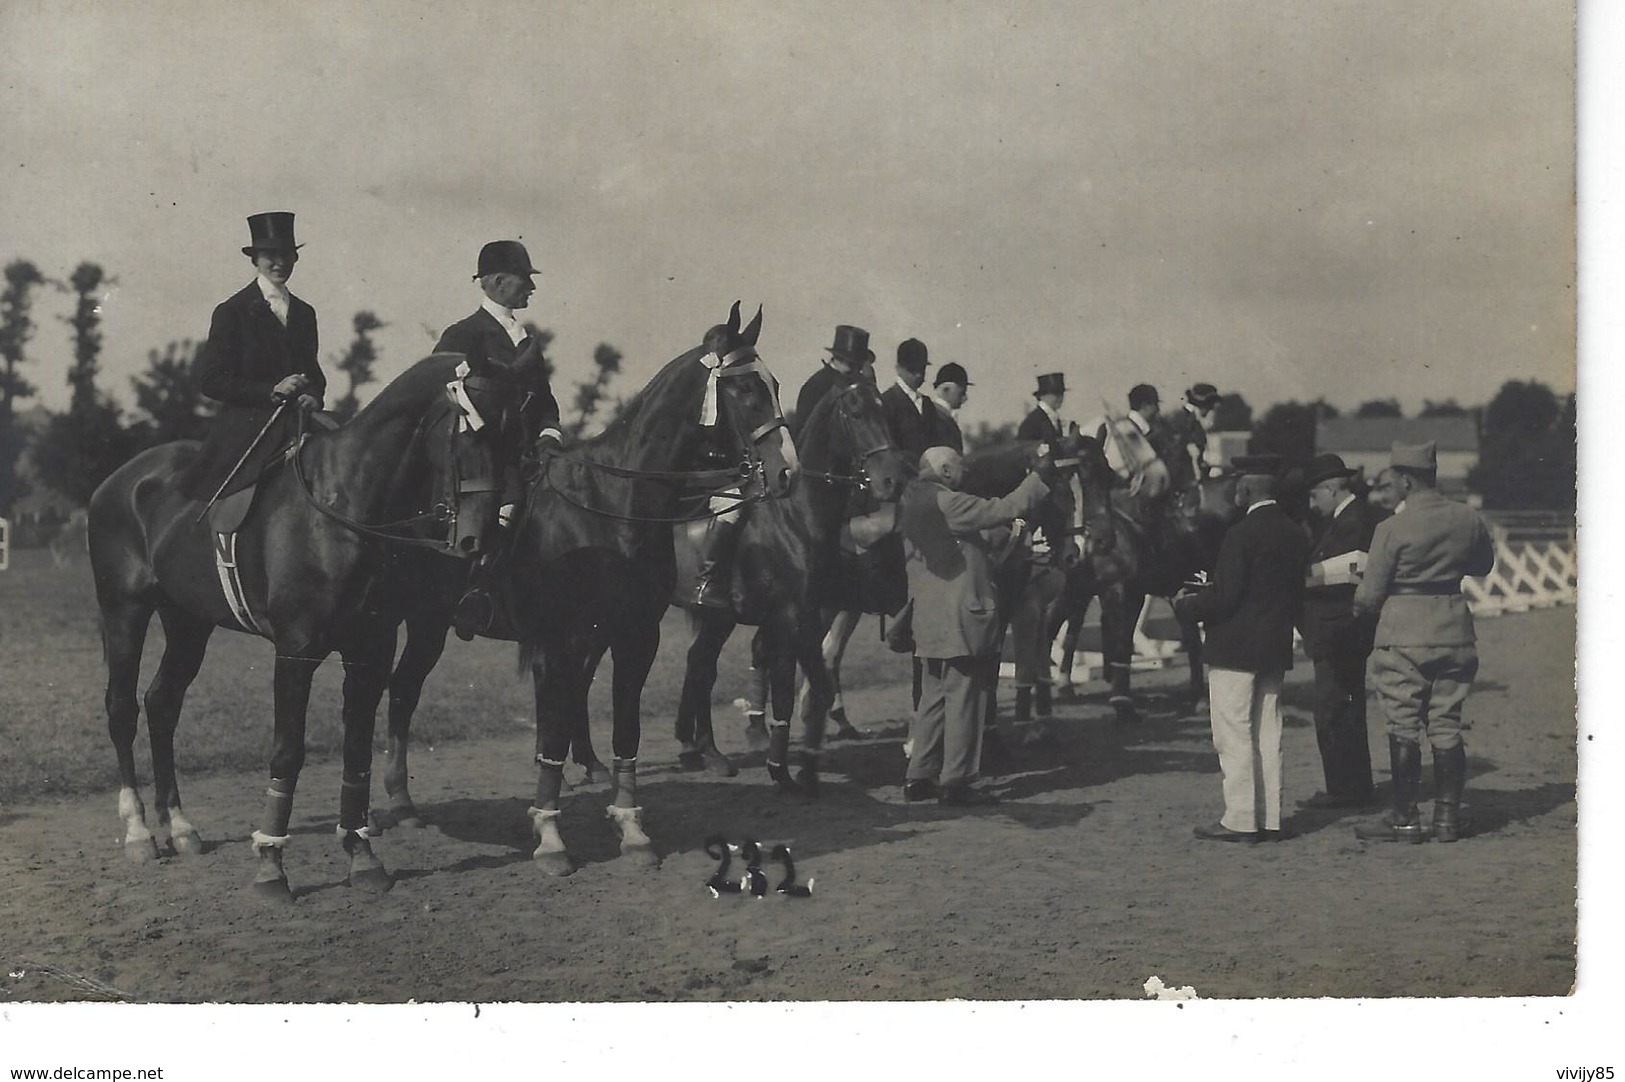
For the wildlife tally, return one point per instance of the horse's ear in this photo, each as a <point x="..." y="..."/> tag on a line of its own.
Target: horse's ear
<point x="748" y="337"/>
<point x="733" y="320"/>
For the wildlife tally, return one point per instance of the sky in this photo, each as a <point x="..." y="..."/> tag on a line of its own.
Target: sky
<point x="1343" y="199"/>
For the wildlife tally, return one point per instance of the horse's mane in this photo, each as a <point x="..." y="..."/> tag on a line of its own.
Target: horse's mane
<point x="423" y="379"/>
<point x="634" y="410"/>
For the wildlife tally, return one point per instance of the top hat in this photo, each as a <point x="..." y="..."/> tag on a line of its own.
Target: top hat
<point x="1268" y="465"/>
<point x="1142" y="394"/>
<point x="1204" y="396"/>
<point x="1416" y="456"/>
<point x="271" y="231"/>
<point x="1051" y="383"/>
<point x="911" y="355"/>
<point x="952" y="372"/>
<point x="504" y="257"/>
<point x="1324" y="468"/>
<point x="852" y="345"/>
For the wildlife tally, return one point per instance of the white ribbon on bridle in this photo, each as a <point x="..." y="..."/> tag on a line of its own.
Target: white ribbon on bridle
<point x="470" y="421"/>
<point x="720" y="365"/>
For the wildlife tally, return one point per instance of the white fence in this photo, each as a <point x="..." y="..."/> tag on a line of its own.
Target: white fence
<point x="1536" y="564"/>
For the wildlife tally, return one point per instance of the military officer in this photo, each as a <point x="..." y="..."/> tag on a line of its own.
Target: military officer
<point x="1425" y="656"/>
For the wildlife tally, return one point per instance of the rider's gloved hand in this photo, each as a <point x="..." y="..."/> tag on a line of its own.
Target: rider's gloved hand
<point x="309" y="402"/>
<point x="288" y="386"/>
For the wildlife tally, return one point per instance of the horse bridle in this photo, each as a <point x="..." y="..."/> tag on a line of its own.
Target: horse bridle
<point x="460" y="415"/>
<point x="862" y="458"/>
<point x="730" y="483"/>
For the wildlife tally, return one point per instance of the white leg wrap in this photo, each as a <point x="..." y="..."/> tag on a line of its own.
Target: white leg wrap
<point x="545" y="823"/>
<point x="267" y="841"/>
<point x="134" y="814"/>
<point x="360" y="832"/>
<point x="629" y="822"/>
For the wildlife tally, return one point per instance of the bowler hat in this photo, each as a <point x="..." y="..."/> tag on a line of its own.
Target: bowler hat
<point x="1204" y="396"/>
<point x="852" y="345"/>
<point x="504" y="257"/>
<point x="952" y="372"/>
<point x="271" y="231"/>
<point x="1051" y="383"/>
<point x="1416" y="456"/>
<point x="1324" y="468"/>
<point x="1142" y="394"/>
<point x="1257" y="464"/>
<point x="912" y="355"/>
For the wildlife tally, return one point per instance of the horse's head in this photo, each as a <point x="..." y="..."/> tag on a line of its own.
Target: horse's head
<point x="1093" y="477"/>
<point x="746" y="412"/>
<point x="846" y="437"/>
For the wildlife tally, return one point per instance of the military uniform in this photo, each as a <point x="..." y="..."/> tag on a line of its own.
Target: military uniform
<point x="1425" y="656"/>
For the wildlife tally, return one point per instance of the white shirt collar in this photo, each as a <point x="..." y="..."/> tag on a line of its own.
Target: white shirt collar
<point x="270" y="290"/>
<point x="1261" y="503"/>
<point x="913" y="395"/>
<point x="1348" y="498"/>
<point x="506" y="318"/>
<point x="1401" y="506"/>
<point x="1053" y="414"/>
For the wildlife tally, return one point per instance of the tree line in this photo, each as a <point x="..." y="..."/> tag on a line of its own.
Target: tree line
<point x="78" y="447"/>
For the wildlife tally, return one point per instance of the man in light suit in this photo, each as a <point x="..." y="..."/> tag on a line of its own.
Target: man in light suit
<point x="1426" y="655"/>
<point x="261" y="352"/>
<point x="1337" y="643"/>
<point x="948" y="541"/>
<point x="1249" y="611"/>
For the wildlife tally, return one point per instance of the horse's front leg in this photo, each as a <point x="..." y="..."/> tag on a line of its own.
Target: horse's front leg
<point x="593" y="769"/>
<point x="296" y="663"/>
<point x="554" y="729"/>
<point x="366" y="672"/>
<point x="1119" y="610"/>
<point x="425" y="642"/>
<point x="709" y="632"/>
<point x="186" y="638"/>
<point x="635" y="648"/>
<point x="805" y="648"/>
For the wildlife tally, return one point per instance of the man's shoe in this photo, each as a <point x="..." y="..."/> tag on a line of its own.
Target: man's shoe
<point x="1218" y="832"/>
<point x="1391" y="829"/>
<point x="963" y="796"/>
<point x="1327" y="800"/>
<point x="473" y="614"/>
<point x="919" y="790"/>
<point x="844" y="729"/>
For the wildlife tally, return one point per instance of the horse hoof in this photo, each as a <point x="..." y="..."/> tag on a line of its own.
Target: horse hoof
<point x="374" y="879"/>
<point x="640" y="856"/>
<point x="188" y="844"/>
<point x="274" y="891"/>
<point x="718" y="763"/>
<point x="691" y="760"/>
<point x="555" y="863"/>
<point x="141" y="852"/>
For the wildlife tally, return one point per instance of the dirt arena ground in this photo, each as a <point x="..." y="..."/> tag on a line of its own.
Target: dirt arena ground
<point x="1083" y="883"/>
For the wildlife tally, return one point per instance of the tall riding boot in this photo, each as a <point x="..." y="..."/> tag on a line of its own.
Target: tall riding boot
<point x="1449" y="779"/>
<point x="474" y="610"/>
<point x="711" y="579"/>
<point x="1404" y="822"/>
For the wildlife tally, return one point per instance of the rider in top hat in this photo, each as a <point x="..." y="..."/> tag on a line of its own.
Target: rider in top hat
<point x="1425" y="656"/>
<point x="949" y="391"/>
<point x="1336" y="643"/>
<point x="261" y="353"/>
<point x="910" y="417"/>
<point x="1044" y="422"/>
<point x="850" y="359"/>
<point x="494" y="337"/>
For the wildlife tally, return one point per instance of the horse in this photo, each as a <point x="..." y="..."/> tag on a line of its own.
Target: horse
<point x="591" y="566"/>
<point x="1142" y="551"/>
<point x="785" y="564"/>
<point x="332" y="543"/>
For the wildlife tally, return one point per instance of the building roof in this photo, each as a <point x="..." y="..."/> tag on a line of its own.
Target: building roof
<point x="1339" y="434"/>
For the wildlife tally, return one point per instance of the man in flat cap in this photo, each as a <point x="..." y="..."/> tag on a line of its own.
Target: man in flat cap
<point x="1336" y="643"/>
<point x="1426" y="654"/>
<point x="1044" y="422"/>
<point x="494" y="337"/>
<point x="910" y="417"/>
<point x="949" y="538"/>
<point x="261" y="352"/>
<point x="948" y="393"/>
<point x="1249" y="610"/>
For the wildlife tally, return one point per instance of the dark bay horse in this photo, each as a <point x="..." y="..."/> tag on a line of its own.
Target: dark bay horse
<point x="592" y="566"/>
<point x="331" y="545"/>
<point x="1145" y="550"/>
<point x="785" y="566"/>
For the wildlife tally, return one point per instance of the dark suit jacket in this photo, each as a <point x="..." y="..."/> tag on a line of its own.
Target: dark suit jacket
<point x="1038" y="426"/>
<point x="817" y="386"/>
<point x="482" y="340"/>
<point x="247" y="354"/>
<point x="912" y="430"/>
<point x="1328" y="623"/>
<point x="944" y="429"/>
<point x="1257" y="588"/>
